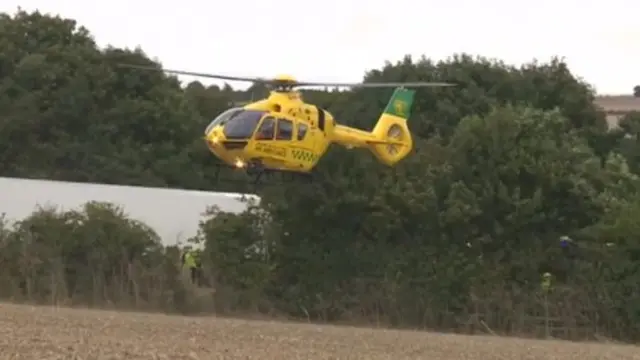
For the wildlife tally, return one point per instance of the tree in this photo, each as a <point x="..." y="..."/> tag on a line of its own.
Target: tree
<point x="90" y="256"/>
<point x="636" y="91"/>
<point x="69" y="113"/>
<point x="528" y="182"/>
<point x="376" y="214"/>
<point x="628" y="139"/>
<point x="236" y="257"/>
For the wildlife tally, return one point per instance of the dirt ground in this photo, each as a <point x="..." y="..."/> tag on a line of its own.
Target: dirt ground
<point x="46" y="333"/>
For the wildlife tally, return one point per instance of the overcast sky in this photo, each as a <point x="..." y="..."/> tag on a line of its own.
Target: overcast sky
<point x="337" y="40"/>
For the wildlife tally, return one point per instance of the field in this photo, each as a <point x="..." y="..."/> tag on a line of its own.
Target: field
<point x="616" y="105"/>
<point x="47" y="333"/>
<point x="618" y="102"/>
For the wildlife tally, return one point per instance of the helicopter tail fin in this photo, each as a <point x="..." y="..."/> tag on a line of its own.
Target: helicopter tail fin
<point x="392" y="136"/>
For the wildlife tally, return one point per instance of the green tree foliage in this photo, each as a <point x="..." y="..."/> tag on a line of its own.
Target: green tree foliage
<point x="93" y="256"/>
<point x="636" y="91"/>
<point x="628" y="139"/>
<point x="236" y="257"/>
<point x="70" y="113"/>
<point x="505" y="165"/>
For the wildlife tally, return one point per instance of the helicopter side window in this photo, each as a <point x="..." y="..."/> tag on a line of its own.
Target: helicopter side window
<point x="267" y="129"/>
<point x="285" y="129"/>
<point x="302" y="131"/>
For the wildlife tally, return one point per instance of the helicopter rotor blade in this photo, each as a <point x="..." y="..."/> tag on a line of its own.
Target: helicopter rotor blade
<point x="292" y="83"/>
<point x="199" y="74"/>
<point x="377" y="84"/>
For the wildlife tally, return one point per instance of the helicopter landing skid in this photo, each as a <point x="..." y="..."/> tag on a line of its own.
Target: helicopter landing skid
<point x="261" y="176"/>
<point x="285" y="177"/>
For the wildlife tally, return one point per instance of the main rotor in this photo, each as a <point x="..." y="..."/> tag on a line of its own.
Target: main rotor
<point x="287" y="83"/>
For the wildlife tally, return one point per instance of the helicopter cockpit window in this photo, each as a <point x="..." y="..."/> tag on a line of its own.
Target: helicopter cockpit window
<point x="243" y="124"/>
<point x="267" y="129"/>
<point x="222" y="119"/>
<point x="285" y="129"/>
<point x="302" y="131"/>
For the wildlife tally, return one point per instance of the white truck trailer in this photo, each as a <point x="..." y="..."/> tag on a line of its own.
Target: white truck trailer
<point x="173" y="213"/>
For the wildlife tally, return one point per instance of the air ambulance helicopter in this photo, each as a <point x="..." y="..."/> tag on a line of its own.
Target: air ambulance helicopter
<point x="284" y="134"/>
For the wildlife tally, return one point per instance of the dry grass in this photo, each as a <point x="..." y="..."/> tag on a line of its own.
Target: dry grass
<point x="55" y="333"/>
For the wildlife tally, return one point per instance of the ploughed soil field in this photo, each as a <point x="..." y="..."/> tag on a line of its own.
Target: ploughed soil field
<point x="46" y="333"/>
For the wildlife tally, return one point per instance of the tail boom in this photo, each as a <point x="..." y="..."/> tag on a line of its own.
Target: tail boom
<point x="351" y="137"/>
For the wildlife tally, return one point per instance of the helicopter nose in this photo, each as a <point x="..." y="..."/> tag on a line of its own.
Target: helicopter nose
<point x="214" y="139"/>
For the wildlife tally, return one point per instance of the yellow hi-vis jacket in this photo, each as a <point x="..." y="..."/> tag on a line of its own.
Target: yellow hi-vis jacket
<point x="189" y="260"/>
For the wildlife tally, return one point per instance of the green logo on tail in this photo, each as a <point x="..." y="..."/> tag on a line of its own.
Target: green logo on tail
<point x="400" y="107"/>
<point x="400" y="103"/>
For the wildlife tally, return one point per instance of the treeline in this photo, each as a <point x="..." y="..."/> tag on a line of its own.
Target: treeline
<point x="95" y="256"/>
<point x="507" y="166"/>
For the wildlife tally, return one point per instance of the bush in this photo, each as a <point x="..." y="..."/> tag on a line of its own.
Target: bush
<point x="95" y="256"/>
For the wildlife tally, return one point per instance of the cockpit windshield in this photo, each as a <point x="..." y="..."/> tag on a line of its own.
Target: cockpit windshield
<point x="242" y="124"/>
<point x="222" y="119"/>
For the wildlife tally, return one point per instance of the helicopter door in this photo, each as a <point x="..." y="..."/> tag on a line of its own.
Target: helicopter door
<point x="303" y="147"/>
<point x="304" y="137"/>
<point x="267" y="129"/>
<point x="285" y="130"/>
<point x="264" y="143"/>
<point x="285" y="135"/>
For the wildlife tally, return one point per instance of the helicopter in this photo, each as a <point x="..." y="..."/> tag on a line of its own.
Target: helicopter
<point x="282" y="133"/>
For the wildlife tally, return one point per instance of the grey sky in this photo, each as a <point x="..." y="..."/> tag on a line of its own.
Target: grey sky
<point x="337" y="40"/>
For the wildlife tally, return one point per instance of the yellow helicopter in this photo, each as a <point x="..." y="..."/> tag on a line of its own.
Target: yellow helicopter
<point x="282" y="133"/>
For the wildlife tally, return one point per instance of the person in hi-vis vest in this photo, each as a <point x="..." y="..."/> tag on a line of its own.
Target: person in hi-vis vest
<point x="189" y="261"/>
